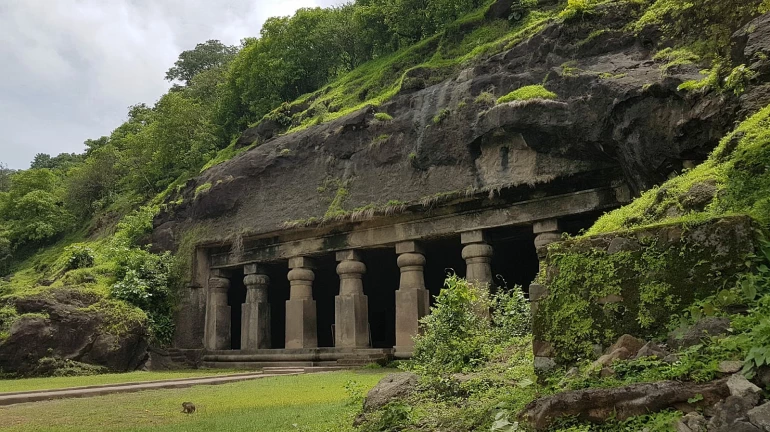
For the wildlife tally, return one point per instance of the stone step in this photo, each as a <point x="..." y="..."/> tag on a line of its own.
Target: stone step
<point x="254" y="364"/>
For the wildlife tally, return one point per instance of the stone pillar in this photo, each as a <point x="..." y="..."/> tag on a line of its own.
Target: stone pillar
<point x="255" y="313"/>
<point x="301" y="324"/>
<point x="218" y="312"/>
<point x="478" y="257"/>
<point x="546" y="232"/>
<point x="351" y="308"/>
<point x="412" y="301"/>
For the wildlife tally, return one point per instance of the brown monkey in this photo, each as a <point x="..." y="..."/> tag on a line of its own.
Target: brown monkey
<point x="188" y="407"/>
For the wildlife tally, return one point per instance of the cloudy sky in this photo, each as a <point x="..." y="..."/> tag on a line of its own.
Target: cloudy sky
<point x="69" y="69"/>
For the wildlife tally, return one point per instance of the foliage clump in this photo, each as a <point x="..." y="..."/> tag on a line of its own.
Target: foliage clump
<point x="458" y="334"/>
<point x="527" y="93"/>
<point x="383" y="116"/>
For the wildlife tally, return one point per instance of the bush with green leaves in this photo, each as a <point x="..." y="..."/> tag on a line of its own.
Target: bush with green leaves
<point x="459" y="334"/>
<point x="147" y="281"/>
<point x="80" y="256"/>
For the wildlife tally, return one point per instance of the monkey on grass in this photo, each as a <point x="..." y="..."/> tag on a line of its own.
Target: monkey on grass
<point x="188" y="407"/>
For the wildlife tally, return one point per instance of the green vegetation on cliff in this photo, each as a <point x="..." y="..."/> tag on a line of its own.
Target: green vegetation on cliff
<point x="734" y="180"/>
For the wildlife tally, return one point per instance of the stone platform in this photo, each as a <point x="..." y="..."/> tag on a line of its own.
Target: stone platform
<point x="299" y="358"/>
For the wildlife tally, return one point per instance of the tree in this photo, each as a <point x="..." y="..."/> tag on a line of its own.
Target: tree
<point x="5" y="177"/>
<point x="31" y="210"/>
<point x="208" y="55"/>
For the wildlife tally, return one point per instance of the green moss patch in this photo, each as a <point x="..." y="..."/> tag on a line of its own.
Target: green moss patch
<point x="527" y="93"/>
<point x="633" y="282"/>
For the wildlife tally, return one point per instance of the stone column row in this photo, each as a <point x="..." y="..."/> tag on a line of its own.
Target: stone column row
<point x="351" y="304"/>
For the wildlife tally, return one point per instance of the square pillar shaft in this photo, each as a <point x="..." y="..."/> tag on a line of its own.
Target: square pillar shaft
<point x="255" y="312"/>
<point x="351" y="307"/>
<point x="301" y="324"/>
<point x="412" y="299"/>
<point x="217" y="331"/>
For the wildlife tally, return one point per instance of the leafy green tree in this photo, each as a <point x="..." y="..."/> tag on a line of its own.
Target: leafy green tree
<point x="207" y="55"/>
<point x="63" y="161"/>
<point x="94" y="184"/>
<point x="32" y="212"/>
<point x="5" y="177"/>
<point x="176" y="138"/>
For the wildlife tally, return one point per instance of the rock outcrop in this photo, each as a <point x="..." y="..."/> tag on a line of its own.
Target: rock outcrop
<point x="70" y="324"/>
<point x="598" y="405"/>
<point x="616" y="117"/>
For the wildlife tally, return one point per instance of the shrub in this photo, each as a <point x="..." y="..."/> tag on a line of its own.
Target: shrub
<point x="136" y="225"/>
<point x="458" y="335"/>
<point x="486" y="98"/>
<point x="381" y="116"/>
<point x="202" y="188"/>
<point x="527" y="93"/>
<point x="510" y="314"/>
<point x="59" y="367"/>
<point x="80" y="256"/>
<point x="441" y="116"/>
<point x="147" y="281"/>
<point x="455" y="333"/>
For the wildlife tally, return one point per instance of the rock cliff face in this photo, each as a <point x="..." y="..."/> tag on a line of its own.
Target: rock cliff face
<point x="617" y="116"/>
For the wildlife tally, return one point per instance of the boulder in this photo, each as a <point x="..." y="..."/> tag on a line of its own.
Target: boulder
<point x="730" y="367"/>
<point x="692" y="422"/>
<point x="597" y="405"/>
<point x="630" y="343"/>
<point x="741" y="387"/>
<point x="393" y="386"/>
<point x="729" y="415"/>
<point x="760" y="416"/>
<point x="73" y="325"/>
<point x="651" y="349"/>
<point x="707" y="327"/>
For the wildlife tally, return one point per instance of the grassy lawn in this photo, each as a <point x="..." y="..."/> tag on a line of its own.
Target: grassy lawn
<point x="17" y="385"/>
<point x="315" y="402"/>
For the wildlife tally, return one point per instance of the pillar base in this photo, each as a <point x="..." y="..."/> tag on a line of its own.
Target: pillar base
<point x="351" y="318"/>
<point x="255" y="326"/>
<point x="301" y="324"/>
<point x="411" y="305"/>
<point x="218" y="333"/>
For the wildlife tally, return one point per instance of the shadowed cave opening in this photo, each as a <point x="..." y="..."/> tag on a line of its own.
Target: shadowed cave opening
<point x="442" y="257"/>
<point x="380" y="284"/>
<point x="325" y="287"/>
<point x="277" y="295"/>
<point x="236" y="295"/>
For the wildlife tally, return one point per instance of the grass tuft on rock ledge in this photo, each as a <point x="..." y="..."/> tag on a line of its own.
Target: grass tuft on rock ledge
<point x="527" y="93"/>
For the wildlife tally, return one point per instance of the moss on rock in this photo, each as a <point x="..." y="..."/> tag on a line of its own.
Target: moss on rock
<point x="632" y="282"/>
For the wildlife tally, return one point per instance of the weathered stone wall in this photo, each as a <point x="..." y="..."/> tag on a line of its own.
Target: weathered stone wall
<point x="597" y="288"/>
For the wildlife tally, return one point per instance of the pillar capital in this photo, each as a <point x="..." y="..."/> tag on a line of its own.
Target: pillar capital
<point x="301" y="262"/>
<point x="409" y="247"/>
<point x="476" y="236"/>
<point x="254" y="269"/>
<point x="256" y="280"/>
<point x="219" y="284"/>
<point x="546" y="225"/>
<point x="349" y="255"/>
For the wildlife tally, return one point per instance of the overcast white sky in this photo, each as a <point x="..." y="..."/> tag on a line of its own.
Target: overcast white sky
<point x="69" y="69"/>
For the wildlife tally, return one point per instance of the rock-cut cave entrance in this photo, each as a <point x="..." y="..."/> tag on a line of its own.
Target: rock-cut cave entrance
<point x="236" y="295"/>
<point x="380" y="284"/>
